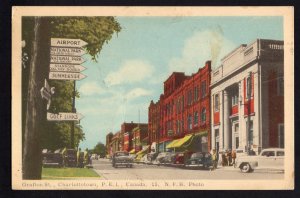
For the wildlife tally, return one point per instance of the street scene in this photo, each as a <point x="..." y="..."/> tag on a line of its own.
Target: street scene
<point x="170" y="97"/>
<point x="104" y="168"/>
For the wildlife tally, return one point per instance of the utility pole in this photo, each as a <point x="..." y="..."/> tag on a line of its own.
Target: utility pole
<point x="73" y="122"/>
<point x="249" y="89"/>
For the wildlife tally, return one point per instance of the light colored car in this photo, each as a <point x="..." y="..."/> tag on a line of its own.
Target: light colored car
<point x="271" y="158"/>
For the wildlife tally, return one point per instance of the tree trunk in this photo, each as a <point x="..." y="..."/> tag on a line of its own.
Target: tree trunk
<point x="36" y="106"/>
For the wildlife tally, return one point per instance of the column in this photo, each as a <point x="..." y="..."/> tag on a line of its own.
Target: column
<point x="226" y="119"/>
<point x="213" y="136"/>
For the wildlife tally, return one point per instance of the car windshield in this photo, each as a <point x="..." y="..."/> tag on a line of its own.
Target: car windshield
<point x="122" y="154"/>
<point x="197" y="155"/>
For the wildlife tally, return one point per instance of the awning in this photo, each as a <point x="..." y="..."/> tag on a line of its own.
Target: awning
<point x="181" y="141"/>
<point x="143" y="151"/>
<point x="132" y="151"/>
<point x="202" y="133"/>
<point x="171" y="145"/>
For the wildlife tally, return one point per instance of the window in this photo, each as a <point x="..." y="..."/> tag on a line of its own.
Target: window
<point x="196" y="95"/>
<point x="234" y="100"/>
<point x="203" y="115"/>
<point x="280" y="86"/>
<point x="268" y="153"/>
<point x="217" y="102"/>
<point x="190" y="97"/>
<point x="236" y="128"/>
<point x="217" y="133"/>
<point x="249" y="86"/>
<point x="196" y="118"/>
<point x="280" y="153"/>
<point x="237" y="139"/>
<point x="189" y="122"/>
<point x="203" y="89"/>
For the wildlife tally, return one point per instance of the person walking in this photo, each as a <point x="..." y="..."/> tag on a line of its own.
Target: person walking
<point x="233" y="155"/>
<point x="229" y="157"/>
<point x="214" y="159"/>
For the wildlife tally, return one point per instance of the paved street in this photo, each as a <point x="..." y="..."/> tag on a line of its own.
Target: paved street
<point x="153" y="172"/>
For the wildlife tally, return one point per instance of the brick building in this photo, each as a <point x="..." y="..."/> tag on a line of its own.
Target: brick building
<point x="250" y="74"/>
<point x="109" y="137"/>
<point x="180" y="119"/>
<point x="128" y="135"/>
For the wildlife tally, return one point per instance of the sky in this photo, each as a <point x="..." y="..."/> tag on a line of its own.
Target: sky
<point x="132" y="66"/>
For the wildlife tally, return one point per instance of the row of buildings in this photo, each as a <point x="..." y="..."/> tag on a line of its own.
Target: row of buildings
<point x="238" y="106"/>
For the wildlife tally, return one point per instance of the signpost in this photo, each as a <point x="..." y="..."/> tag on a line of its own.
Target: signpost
<point x="63" y="116"/>
<point x="63" y="42"/>
<point x="66" y="68"/>
<point x="66" y="51"/>
<point x="65" y="60"/>
<point x="66" y="76"/>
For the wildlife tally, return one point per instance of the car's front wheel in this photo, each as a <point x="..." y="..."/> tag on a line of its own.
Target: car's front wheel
<point x="245" y="168"/>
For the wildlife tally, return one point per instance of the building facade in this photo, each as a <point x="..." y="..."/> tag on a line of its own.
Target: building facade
<point x="183" y="109"/>
<point x="247" y="98"/>
<point x="109" y="137"/>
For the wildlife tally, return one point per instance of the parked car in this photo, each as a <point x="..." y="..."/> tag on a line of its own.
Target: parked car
<point x="180" y="158"/>
<point x="52" y="158"/>
<point x="151" y="157"/>
<point x="145" y="159"/>
<point x="122" y="158"/>
<point x="199" y="160"/>
<point x="271" y="158"/>
<point x="169" y="158"/>
<point x="160" y="158"/>
<point x="70" y="158"/>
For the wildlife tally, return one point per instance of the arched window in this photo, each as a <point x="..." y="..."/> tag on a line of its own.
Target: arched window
<point x="196" y="118"/>
<point x="203" y="115"/>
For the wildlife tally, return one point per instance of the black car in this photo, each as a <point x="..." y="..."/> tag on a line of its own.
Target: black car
<point x="71" y="158"/>
<point x="199" y="160"/>
<point x="122" y="158"/>
<point x="52" y="158"/>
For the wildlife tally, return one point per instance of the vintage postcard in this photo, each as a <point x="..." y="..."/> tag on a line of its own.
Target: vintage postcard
<point x="168" y="98"/>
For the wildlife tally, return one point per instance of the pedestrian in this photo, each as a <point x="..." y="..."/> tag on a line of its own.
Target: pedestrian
<point x="224" y="160"/>
<point x="233" y="155"/>
<point x="229" y="157"/>
<point x="214" y="159"/>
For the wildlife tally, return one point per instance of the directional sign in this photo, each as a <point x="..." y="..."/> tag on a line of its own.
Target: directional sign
<point x="67" y="51"/>
<point x="63" y="42"/>
<point x="66" y="59"/>
<point x="66" y="68"/>
<point x="64" y="116"/>
<point x="66" y="76"/>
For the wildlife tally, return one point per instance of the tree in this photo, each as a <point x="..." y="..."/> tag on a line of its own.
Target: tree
<point x="100" y="149"/>
<point x="36" y="130"/>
